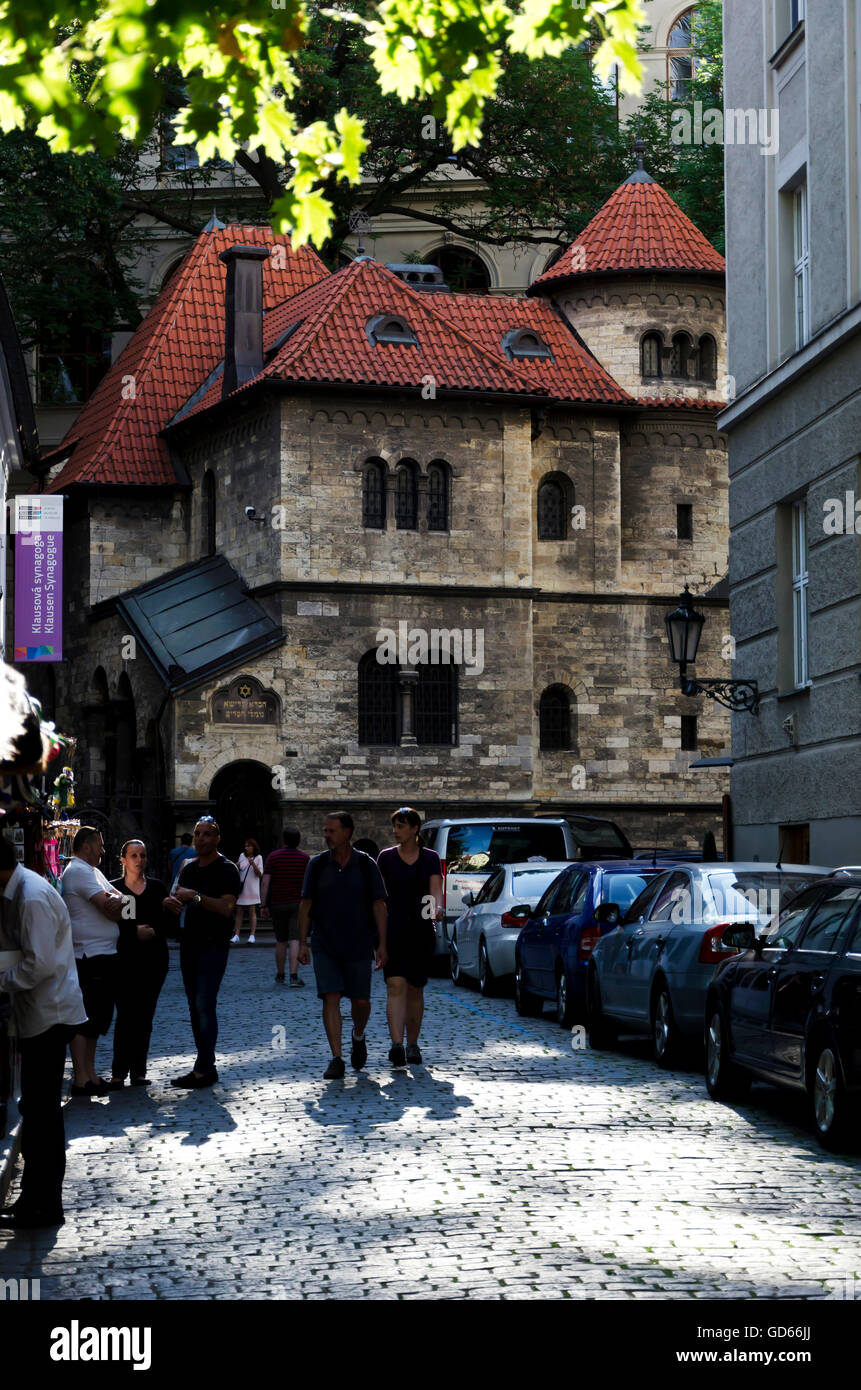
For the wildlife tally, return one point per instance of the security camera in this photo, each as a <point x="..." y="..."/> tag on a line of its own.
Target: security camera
<point x="250" y="513"/>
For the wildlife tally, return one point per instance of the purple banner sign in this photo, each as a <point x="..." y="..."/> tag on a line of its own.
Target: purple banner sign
<point x="38" y="579"/>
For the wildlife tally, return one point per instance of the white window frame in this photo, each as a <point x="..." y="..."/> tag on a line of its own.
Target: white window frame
<point x="801" y="271"/>
<point x="796" y="13"/>
<point x="799" y="594"/>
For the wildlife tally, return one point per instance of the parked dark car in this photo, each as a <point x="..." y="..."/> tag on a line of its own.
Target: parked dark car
<point x="652" y="974"/>
<point x="788" y="1009"/>
<point x="595" y="837"/>
<point x="556" y="943"/>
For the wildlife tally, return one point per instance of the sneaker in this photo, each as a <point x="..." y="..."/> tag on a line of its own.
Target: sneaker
<point x="413" y="1053"/>
<point x="296" y="983"/>
<point x="335" y="1070"/>
<point x="251" y="940"/>
<point x="279" y="980"/>
<point x="397" y="1057"/>
<point x="358" y="1053"/>
<point x="234" y="940"/>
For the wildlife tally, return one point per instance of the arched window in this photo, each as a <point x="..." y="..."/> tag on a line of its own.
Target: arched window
<point x="708" y="359"/>
<point x="438" y="494"/>
<point x="374" y="495"/>
<point x="650" y="355"/>
<point x="407" y="496"/>
<point x="554" y="718"/>
<point x="379" y="705"/>
<point x="681" y="62"/>
<point x="435" y="705"/>
<point x="462" y="270"/>
<point x="553" y="509"/>
<point x="207" y="529"/>
<point x="682" y="358"/>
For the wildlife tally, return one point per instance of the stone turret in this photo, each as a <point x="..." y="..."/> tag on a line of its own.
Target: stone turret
<point x="645" y="290"/>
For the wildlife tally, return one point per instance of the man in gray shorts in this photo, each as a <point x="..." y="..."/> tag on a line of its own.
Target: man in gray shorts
<point x="344" y="897"/>
<point x="280" y="890"/>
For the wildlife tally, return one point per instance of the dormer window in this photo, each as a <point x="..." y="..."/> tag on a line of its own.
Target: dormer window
<point x="390" y="329"/>
<point x="522" y="344"/>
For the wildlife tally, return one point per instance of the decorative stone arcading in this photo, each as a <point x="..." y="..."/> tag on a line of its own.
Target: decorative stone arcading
<point x="613" y="315"/>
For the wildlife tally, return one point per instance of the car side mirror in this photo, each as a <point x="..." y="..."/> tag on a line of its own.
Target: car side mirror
<point x="468" y="899"/>
<point x="741" y="936"/>
<point x="522" y="910"/>
<point x="608" y="914"/>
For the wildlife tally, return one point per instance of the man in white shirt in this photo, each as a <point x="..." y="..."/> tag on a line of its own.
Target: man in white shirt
<point x="47" y="1007"/>
<point x="95" y="908"/>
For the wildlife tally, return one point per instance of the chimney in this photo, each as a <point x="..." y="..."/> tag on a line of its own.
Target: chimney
<point x="243" y="347"/>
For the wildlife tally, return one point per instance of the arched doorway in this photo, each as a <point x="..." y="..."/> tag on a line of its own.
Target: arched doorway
<point x="246" y="804"/>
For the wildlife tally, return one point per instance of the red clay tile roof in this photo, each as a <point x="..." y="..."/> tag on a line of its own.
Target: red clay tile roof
<point x="640" y="227"/>
<point x="181" y="340"/>
<point x="459" y="342"/>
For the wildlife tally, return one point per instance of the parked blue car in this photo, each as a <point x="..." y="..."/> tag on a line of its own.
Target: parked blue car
<point x="555" y="946"/>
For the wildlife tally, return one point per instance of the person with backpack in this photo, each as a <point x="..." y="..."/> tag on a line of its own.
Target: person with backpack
<point x="344" y="899"/>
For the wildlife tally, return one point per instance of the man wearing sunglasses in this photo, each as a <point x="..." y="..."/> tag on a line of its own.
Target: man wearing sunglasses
<point x="207" y="889"/>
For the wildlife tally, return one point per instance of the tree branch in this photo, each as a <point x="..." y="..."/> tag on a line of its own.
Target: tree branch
<point x="138" y="205"/>
<point x="437" y="220"/>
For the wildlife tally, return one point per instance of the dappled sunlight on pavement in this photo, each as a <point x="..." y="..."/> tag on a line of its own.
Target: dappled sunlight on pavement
<point x="512" y="1164"/>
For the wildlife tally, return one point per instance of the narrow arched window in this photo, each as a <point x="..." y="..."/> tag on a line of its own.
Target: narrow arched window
<point x="681" y="57"/>
<point x="379" y="704"/>
<point x="374" y="495"/>
<point x="436" y="705"/>
<point x="682" y="359"/>
<point x="438" y="493"/>
<point x="708" y="359"/>
<point x="554" y="718"/>
<point x="552" y="518"/>
<point x="650" y="355"/>
<point x="208" y="519"/>
<point x="407" y="496"/>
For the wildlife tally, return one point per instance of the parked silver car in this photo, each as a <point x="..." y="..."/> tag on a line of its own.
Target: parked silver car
<point x="651" y="973"/>
<point x="483" y="938"/>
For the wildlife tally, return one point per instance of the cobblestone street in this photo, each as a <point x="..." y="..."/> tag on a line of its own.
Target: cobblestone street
<point x="509" y="1166"/>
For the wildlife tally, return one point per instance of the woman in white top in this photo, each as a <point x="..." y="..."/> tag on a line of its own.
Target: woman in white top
<point x="250" y="865"/>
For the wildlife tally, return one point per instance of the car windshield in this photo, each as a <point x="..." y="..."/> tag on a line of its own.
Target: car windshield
<point x="474" y="847"/>
<point x="624" y="888"/>
<point x="756" y="895"/>
<point x="529" y="884"/>
<point x="604" y="834"/>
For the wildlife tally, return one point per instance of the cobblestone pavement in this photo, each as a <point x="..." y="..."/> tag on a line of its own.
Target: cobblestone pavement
<point x="510" y="1165"/>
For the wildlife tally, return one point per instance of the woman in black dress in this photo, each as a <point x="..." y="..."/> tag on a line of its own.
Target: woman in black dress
<point x="143" y="960"/>
<point x="413" y="878"/>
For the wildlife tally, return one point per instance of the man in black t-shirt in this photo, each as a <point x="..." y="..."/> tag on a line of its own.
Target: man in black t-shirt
<point x="207" y="889"/>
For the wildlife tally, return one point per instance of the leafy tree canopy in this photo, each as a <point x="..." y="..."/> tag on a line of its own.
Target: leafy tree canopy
<point x="242" y="69"/>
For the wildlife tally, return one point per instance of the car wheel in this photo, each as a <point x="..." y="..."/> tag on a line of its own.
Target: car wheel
<point x="724" y="1080"/>
<point x="666" y="1038"/>
<point x="486" y="977"/>
<point x="564" y="1010"/>
<point x="525" y="1003"/>
<point x="457" y="975"/>
<point x="828" y="1098"/>
<point x="602" y="1033"/>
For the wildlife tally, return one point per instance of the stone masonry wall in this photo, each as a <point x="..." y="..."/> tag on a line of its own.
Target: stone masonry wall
<point x="613" y="314"/>
<point x="665" y="463"/>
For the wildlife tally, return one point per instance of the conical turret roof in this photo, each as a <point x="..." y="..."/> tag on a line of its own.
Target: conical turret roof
<point x="639" y="228"/>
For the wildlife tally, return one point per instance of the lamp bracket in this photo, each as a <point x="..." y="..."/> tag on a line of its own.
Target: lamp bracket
<point x="735" y="695"/>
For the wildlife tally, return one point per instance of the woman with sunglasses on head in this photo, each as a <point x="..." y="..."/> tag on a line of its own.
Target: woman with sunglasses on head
<point x="143" y="961"/>
<point x="413" y="878"/>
